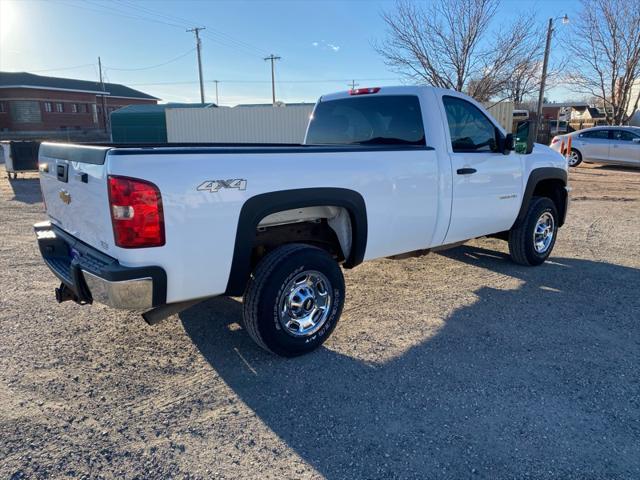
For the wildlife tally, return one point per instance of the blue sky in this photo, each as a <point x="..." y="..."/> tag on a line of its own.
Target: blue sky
<point x="323" y="44"/>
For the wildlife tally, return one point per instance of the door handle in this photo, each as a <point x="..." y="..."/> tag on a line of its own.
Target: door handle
<point x="466" y="171"/>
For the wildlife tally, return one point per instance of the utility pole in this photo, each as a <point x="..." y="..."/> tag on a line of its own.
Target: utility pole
<point x="273" y="58"/>
<point x="543" y="79"/>
<point x="216" y="82"/>
<point x="105" y="116"/>
<point x="353" y="84"/>
<point x="196" y="31"/>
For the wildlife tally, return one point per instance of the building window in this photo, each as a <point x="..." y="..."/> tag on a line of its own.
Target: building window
<point x="82" y="108"/>
<point x="3" y="108"/>
<point x="59" y="108"/>
<point x="48" y="107"/>
<point x="74" y="107"/>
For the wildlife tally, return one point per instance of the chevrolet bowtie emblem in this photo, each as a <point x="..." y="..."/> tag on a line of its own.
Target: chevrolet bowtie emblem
<point x="65" y="197"/>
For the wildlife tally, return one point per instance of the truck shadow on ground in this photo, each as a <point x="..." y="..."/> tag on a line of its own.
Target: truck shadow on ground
<point x="619" y="168"/>
<point x="25" y="189"/>
<point x="533" y="381"/>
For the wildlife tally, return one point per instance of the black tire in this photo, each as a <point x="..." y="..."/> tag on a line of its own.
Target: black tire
<point x="265" y="296"/>
<point x="521" y="239"/>
<point x="575" y="159"/>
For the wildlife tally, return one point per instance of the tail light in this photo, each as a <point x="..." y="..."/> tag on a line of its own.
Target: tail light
<point x="136" y="213"/>
<point x="364" y="91"/>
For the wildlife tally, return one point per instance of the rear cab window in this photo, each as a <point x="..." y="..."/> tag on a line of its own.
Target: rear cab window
<point x="367" y="120"/>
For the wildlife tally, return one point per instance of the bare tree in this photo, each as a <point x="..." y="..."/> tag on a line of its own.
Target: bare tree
<point x="605" y="56"/>
<point x="447" y="44"/>
<point x="526" y="73"/>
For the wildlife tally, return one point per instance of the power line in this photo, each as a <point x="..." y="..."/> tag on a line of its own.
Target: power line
<point x="104" y="9"/>
<point x="214" y="34"/>
<point x="334" y="80"/>
<point x="64" y="68"/>
<point x="133" y="15"/>
<point x="237" y="48"/>
<point x="175" y="59"/>
<point x="180" y="22"/>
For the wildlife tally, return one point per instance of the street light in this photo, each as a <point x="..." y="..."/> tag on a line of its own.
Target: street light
<point x="545" y="63"/>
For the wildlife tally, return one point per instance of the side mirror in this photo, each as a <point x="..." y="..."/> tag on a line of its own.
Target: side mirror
<point x="524" y="138"/>
<point x="508" y="144"/>
<point x="504" y="144"/>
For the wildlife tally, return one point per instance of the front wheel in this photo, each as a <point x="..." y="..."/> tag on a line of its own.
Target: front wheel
<point x="575" y="158"/>
<point x="293" y="300"/>
<point x="532" y="241"/>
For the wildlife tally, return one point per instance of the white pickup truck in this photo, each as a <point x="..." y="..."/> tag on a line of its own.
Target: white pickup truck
<point x="383" y="172"/>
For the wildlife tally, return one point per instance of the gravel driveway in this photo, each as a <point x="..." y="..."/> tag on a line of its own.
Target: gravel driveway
<point x="454" y="365"/>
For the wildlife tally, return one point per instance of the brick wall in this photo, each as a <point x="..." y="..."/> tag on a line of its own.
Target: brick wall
<point x="27" y="109"/>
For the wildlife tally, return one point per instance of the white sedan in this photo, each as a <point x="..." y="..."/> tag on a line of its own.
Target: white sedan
<point x="613" y="145"/>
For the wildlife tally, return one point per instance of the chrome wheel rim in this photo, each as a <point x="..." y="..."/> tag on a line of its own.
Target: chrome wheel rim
<point x="305" y="303"/>
<point x="543" y="233"/>
<point x="573" y="158"/>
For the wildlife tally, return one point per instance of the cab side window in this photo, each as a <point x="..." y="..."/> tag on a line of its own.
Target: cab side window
<point x="601" y="134"/>
<point x="470" y="129"/>
<point x="624" y="135"/>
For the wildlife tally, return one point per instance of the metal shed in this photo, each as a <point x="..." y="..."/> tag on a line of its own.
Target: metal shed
<point x="241" y="124"/>
<point x="145" y="123"/>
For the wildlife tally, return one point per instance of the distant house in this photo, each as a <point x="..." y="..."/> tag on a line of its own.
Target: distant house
<point x="589" y="115"/>
<point x="39" y="104"/>
<point x="561" y="111"/>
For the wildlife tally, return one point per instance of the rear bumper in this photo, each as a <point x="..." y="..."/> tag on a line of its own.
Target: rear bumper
<point x="93" y="276"/>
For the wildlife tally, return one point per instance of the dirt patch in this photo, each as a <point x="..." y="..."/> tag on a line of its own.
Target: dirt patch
<point x="453" y="365"/>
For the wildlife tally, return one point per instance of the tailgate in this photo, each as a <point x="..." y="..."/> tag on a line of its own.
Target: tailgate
<point x="73" y="179"/>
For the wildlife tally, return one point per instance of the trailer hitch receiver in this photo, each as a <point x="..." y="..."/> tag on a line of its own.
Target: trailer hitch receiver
<point x="64" y="293"/>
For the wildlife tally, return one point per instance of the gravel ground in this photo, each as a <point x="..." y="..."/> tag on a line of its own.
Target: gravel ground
<point x="454" y="365"/>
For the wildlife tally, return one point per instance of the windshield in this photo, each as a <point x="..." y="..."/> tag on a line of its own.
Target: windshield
<point x="367" y="120"/>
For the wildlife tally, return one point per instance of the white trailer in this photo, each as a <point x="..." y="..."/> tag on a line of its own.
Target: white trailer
<point x="241" y="124"/>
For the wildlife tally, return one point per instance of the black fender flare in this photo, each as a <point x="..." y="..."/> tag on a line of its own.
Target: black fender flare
<point x="535" y="177"/>
<point x="259" y="206"/>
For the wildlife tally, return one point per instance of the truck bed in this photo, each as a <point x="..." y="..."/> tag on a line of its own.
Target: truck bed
<point x="249" y="147"/>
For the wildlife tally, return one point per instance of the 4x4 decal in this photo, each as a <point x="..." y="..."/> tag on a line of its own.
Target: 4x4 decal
<point x="213" y="186"/>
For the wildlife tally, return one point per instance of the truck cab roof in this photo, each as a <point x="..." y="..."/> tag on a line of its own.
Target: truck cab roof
<point x="389" y="90"/>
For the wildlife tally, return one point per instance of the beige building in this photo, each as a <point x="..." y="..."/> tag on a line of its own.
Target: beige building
<point x="635" y="116"/>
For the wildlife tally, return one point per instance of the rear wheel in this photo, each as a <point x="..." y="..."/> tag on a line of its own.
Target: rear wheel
<point x="293" y="300"/>
<point x="532" y="241"/>
<point x="575" y="158"/>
